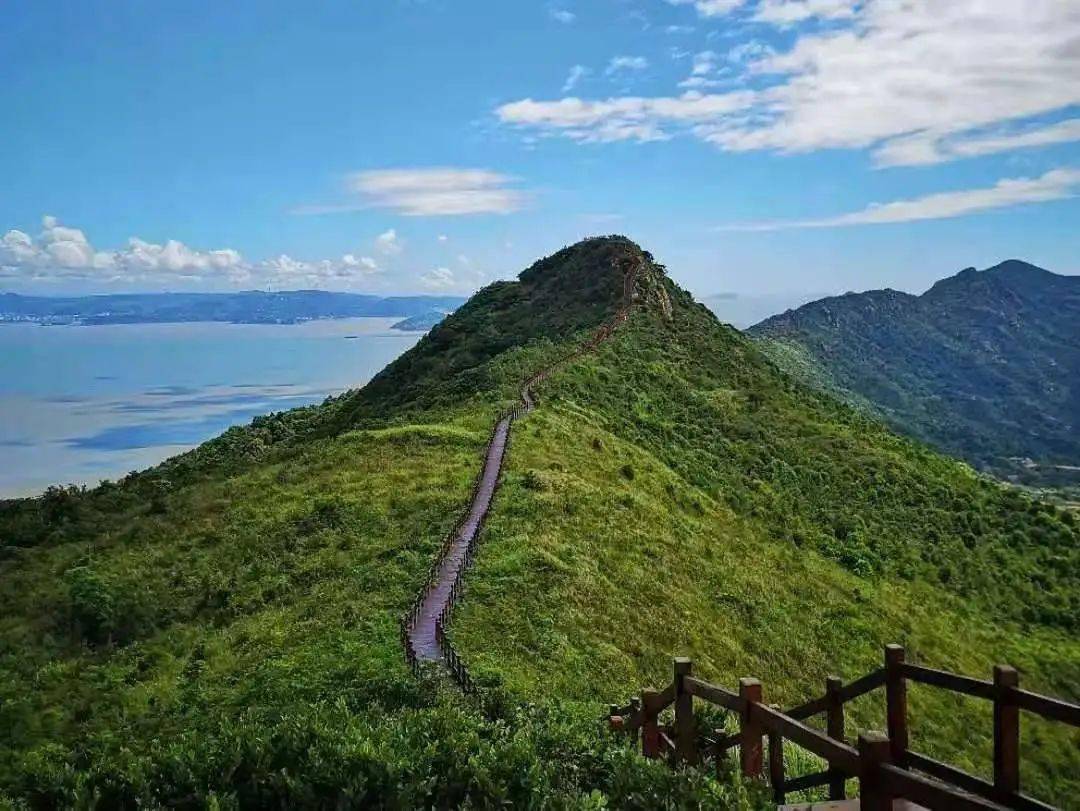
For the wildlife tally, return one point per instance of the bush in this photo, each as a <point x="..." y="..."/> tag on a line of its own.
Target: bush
<point x="93" y="604"/>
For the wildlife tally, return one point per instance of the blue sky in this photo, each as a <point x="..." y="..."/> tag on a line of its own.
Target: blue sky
<point x="765" y="147"/>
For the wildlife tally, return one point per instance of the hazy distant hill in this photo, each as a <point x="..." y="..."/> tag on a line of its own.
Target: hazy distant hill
<point x="743" y="310"/>
<point x="985" y="364"/>
<point x="248" y="307"/>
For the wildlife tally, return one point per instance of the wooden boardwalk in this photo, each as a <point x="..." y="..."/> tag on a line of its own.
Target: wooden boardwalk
<point x="423" y="627"/>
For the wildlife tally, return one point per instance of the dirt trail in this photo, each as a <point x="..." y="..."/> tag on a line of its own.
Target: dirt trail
<point x="422" y="630"/>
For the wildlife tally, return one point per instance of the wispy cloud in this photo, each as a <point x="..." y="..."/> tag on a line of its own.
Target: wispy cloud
<point x="445" y="280"/>
<point x="915" y="82"/>
<point x="926" y="148"/>
<point x="789" y="12"/>
<point x="388" y="243"/>
<point x="623" y="118"/>
<point x="622" y="64"/>
<point x="1057" y="184"/>
<point x="437" y="191"/>
<point x="709" y="8"/>
<point x="561" y="15"/>
<point x="576" y="74"/>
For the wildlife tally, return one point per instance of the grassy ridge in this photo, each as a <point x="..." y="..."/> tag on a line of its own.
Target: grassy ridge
<point x="222" y="630"/>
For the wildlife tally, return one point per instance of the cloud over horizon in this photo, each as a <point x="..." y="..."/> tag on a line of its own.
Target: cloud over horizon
<point x="60" y="253"/>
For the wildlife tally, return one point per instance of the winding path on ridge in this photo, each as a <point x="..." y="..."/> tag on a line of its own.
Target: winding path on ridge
<point x="423" y="636"/>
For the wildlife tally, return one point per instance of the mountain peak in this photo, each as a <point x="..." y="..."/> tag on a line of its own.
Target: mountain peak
<point x="1014" y="274"/>
<point x="573" y="291"/>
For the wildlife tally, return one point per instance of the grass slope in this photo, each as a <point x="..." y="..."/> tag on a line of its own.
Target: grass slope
<point x="222" y="630"/>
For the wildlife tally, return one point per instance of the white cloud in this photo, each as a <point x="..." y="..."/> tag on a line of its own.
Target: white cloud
<point x="1057" y="184"/>
<point x="443" y="237"/>
<point x="438" y="191"/>
<point x="444" y="280"/>
<point x="621" y="64"/>
<point x="62" y="253"/>
<point x="438" y="279"/>
<point x="750" y="51"/>
<point x="562" y="15"/>
<point x="703" y="67"/>
<point x="789" y="12"/>
<point x="577" y="73"/>
<point x="388" y="243"/>
<point x="679" y="29"/>
<point x="916" y="81"/>
<point x="926" y="148"/>
<point x="618" y="119"/>
<point x="709" y="8"/>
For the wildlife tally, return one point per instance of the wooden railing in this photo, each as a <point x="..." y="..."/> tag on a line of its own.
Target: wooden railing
<point x="883" y="763"/>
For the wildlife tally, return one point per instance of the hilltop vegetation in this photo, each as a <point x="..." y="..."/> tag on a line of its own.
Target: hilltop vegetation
<point x="983" y="365"/>
<point x="223" y="629"/>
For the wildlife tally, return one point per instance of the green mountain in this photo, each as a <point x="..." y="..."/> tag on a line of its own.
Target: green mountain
<point x="223" y="630"/>
<point x="984" y="365"/>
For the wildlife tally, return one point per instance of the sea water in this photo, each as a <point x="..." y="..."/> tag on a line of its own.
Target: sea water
<point x="82" y="404"/>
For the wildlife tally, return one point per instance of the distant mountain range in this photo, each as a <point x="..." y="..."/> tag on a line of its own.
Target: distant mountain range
<point x="248" y="307"/>
<point x="985" y="365"/>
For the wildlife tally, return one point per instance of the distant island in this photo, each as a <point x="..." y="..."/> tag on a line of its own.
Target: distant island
<point x="422" y="322"/>
<point x="247" y="307"/>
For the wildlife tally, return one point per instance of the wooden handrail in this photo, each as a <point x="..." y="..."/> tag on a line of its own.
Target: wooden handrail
<point x="969" y="782"/>
<point x="839" y="755"/>
<point x="714" y="694"/>
<point x="871" y="681"/>
<point x="931" y="793"/>
<point x="950" y="681"/>
<point x="1053" y="708"/>
<point x="883" y="765"/>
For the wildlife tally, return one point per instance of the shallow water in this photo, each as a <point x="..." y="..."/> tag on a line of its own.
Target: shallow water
<point x="82" y="404"/>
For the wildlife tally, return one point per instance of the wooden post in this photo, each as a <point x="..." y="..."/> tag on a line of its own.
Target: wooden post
<point x="874" y="751"/>
<point x="615" y="721"/>
<point x="776" y="765"/>
<point x="834" y="717"/>
<point x="685" y="745"/>
<point x="896" y="703"/>
<point x="650" y="732"/>
<point x="750" y="754"/>
<point x="1006" y="733"/>
<point x="635" y="705"/>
